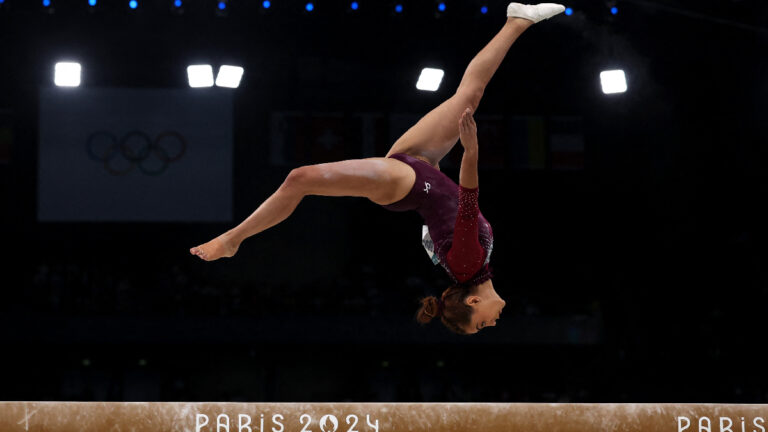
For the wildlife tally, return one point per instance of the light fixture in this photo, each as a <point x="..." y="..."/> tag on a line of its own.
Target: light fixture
<point x="67" y="74"/>
<point x="200" y="76"/>
<point x="430" y="79"/>
<point x="229" y="76"/>
<point x="613" y="81"/>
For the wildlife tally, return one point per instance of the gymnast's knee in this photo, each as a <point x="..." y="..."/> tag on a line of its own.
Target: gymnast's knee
<point x="298" y="180"/>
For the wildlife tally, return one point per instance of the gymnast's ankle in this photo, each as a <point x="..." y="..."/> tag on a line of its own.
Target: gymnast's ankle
<point x="230" y="242"/>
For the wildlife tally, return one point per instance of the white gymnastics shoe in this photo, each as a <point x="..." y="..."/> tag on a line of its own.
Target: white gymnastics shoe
<point x="534" y="13"/>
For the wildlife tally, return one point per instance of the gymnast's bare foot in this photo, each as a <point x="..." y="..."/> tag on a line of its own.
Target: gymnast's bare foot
<point x="222" y="246"/>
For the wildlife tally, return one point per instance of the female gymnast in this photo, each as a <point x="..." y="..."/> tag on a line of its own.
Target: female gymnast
<point x="456" y="234"/>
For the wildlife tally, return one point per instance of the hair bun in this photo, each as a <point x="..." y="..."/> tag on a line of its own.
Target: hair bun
<point x="430" y="308"/>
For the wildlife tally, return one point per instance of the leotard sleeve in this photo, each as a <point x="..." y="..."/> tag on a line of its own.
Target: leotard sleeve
<point x="466" y="255"/>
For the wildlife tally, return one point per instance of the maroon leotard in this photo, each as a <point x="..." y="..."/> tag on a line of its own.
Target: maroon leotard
<point x="457" y="236"/>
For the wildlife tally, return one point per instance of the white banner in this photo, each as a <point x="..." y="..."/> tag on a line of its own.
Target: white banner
<point x="135" y="155"/>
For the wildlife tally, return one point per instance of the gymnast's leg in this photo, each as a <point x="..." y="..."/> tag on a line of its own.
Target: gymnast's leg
<point x="381" y="180"/>
<point x="435" y="134"/>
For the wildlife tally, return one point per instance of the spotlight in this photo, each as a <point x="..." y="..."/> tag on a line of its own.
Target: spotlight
<point x="229" y="76"/>
<point x="354" y="5"/>
<point x="484" y="10"/>
<point x="46" y="3"/>
<point x="430" y="79"/>
<point x="200" y="76"/>
<point x="67" y="74"/>
<point x="568" y="11"/>
<point x="266" y="4"/>
<point x="441" y="7"/>
<point x="91" y="2"/>
<point x="222" y="8"/>
<point x="177" y="8"/>
<point x="133" y="4"/>
<point x="613" y="81"/>
<point x="614" y="10"/>
<point x="309" y="7"/>
<point x="398" y="8"/>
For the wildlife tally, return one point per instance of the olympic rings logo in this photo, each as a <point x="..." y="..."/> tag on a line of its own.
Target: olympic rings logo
<point x="136" y="148"/>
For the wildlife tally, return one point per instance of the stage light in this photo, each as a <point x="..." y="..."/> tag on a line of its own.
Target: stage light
<point x="266" y="4"/>
<point x="568" y="11"/>
<point x="613" y="81"/>
<point x="67" y="74"/>
<point x="229" y="76"/>
<point x="430" y="79"/>
<point x="177" y="3"/>
<point x="309" y="7"/>
<point x="46" y="3"/>
<point x="200" y="76"/>
<point x="398" y="8"/>
<point x="354" y="6"/>
<point x="614" y="10"/>
<point x="91" y="2"/>
<point x="484" y="10"/>
<point x="441" y="7"/>
<point x="222" y="5"/>
<point x="133" y="4"/>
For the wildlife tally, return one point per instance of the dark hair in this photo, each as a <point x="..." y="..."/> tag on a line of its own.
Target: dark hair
<point x="453" y="312"/>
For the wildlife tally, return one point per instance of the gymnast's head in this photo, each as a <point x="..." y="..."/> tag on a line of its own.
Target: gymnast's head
<point x="463" y="309"/>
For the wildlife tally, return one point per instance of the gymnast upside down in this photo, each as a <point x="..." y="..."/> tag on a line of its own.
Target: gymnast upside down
<point x="457" y="236"/>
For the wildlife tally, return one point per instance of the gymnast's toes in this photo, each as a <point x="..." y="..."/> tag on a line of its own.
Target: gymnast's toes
<point x="198" y="251"/>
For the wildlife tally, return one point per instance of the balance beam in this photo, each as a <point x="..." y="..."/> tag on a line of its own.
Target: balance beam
<point x="377" y="417"/>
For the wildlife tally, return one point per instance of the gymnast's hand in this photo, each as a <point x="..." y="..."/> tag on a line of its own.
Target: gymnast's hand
<point x="468" y="131"/>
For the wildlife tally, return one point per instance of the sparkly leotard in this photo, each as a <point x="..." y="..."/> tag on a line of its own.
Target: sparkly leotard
<point x="455" y="234"/>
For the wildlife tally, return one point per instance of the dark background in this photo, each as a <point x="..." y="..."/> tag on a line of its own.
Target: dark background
<point x="640" y="276"/>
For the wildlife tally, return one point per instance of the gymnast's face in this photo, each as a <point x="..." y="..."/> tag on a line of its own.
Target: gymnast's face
<point x="487" y="306"/>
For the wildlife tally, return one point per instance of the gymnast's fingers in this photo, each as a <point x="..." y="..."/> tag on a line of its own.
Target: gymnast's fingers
<point x="470" y="122"/>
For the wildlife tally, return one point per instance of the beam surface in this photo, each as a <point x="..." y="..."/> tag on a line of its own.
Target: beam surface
<point x="377" y="417"/>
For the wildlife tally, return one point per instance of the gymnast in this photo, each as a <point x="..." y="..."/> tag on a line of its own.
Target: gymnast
<point x="456" y="235"/>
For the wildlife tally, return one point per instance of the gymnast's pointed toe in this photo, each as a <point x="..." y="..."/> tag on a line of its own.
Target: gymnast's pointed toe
<point x="198" y="251"/>
<point x="536" y="12"/>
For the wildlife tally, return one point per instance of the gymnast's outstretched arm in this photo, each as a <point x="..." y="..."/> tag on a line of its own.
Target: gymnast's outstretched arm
<point x="466" y="254"/>
<point x="468" y="134"/>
